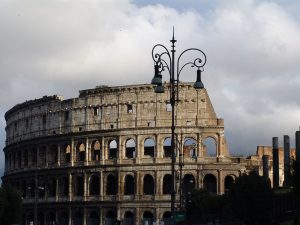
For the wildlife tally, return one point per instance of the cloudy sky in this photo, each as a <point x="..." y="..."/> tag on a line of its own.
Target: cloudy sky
<point x="253" y="50"/>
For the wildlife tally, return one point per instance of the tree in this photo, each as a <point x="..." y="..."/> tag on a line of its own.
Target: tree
<point x="251" y="198"/>
<point x="10" y="206"/>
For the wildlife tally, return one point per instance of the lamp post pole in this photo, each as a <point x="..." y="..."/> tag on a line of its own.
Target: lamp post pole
<point x="163" y="60"/>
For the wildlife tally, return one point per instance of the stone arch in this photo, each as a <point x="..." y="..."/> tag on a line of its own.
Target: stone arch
<point x="228" y="182"/>
<point x="148" y="185"/>
<point x="78" y="187"/>
<point x="110" y="217"/>
<point x="53" y="154"/>
<point x="80" y="152"/>
<point x="149" y="147"/>
<point x="148" y="217"/>
<point x="25" y="157"/>
<point x="128" y="218"/>
<point x="167" y="147"/>
<point x="210" y="146"/>
<point x="96" y="151"/>
<point x="130" y="148"/>
<point x="190" y="147"/>
<point x="210" y="183"/>
<point x="64" y="186"/>
<point x="33" y="153"/>
<point x="129" y="185"/>
<point x="188" y="184"/>
<point x="42" y="156"/>
<point x="167" y="184"/>
<point x="51" y="187"/>
<point x="111" y="184"/>
<point x="94" y="185"/>
<point x="112" y="149"/>
<point x="78" y="218"/>
<point x="65" y="155"/>
<point x="166" y="217"/>
<point x="94" y="218"/>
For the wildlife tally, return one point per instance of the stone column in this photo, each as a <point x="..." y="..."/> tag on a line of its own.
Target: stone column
<point x="57" y="189"/>
<point x="101" y="178"/>
<point x="84" y="216"/>
<point x="220" y="182"/>
<point x="70" y="187"/>
<point x="70" y="216"/>
<point x="58" y="155"/>
<point x="275" y="163"/>
<point x="87" y="150"/>
<point x="286" y="146"/>
<point x="265" y="159"/>
<point x="85" y="186"/>
<point x="72" y="152"/>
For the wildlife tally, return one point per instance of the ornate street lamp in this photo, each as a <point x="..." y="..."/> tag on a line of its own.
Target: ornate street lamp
<point x="163" y="61"/>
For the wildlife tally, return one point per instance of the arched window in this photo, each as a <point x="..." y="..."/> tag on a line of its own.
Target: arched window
<point x="113" y="149"/>
<point x="148" y="185"/>
<point x="130" y="149"/>
<point x="210" y="147"/>
<point x="167" y="217"/>
<point x="42" y="156"/>
<point x="67" y="154"/>
<point x="228" y="183"/>
<point x="51" y="187"/>
<point x="167" y="147"/>
<point x="80" y="152"/>
<point x="188" y="183"/>
<point x="148" y="218"/>
<point x="94" y="185"/>
<point x="78" y="186"/>
<point x="111" y="185"/>
<point x="52" y="154"/>
<point x="149" y="147"/>
<point x="129" y="185"/>
<point x="167" y="184"/>
<point x="25" y="157"/>
<point x="128" y="218"/>
<point x="96" y="151"/>
<point x="94" y="218"/>
<point x="189" y="147"/>
<point x="33" y="156"/>
<point x="210" y="183"/>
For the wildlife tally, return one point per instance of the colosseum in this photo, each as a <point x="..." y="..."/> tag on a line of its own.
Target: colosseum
<point x="104" y="157"/>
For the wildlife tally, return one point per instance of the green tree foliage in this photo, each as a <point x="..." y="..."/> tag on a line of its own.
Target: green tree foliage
<point x="251" y="198"/>
<point x="10" y="206"/>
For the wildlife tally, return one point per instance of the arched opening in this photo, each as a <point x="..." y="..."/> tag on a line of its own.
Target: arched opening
<point x="51" y="219"/>
<point x="94" y="185"/>
<point x="148" y="218"/>
<point x="19" y="159"/>
<point x="189" y="147"/>
<point x="167" y="218"/>
<point x="53" y="154"/>
<point x="23" y="189"/>
<point x="128" y="218"/>
<point x="40" y="219"/>
<point x="94" y="218"/>
<point x="63" y="218"/>
<point x="228" y="183"/>
<point x="188" y="184"/>
<point x="111" y="185"/>
<point x="31" y="188"/>
<point x="148" y="187"/>
<point x="42" y="156"/>
<point x="96" y="151"/>
<point x="64" y="186"/>
<point x="41" y="188"/>
<point x="51" y="187"/>
<point x="25" y="157"/>
<point x="78" y="218"/>
<point x="110" y="218"/>
<point x="210" y="183"/>
<point x="78" y="186"/>
<point x="113" y="149"/>
<point x="210" y="147"/>
<point x="67" y="154"/>
<point x="167" y="147"/>
<point x="129" y="185"/>
<point x="149" y="147"/>
<point x="130" y="149"/>
<point x="167" y="184"/>
<point x="30" y="218"/>
<point x="80" y="150"/>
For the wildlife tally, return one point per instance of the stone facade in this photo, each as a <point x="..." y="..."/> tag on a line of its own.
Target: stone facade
<point x="105" y="156"/>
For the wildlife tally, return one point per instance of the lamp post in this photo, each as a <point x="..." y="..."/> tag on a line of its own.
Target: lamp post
<point x="164" y="60"/>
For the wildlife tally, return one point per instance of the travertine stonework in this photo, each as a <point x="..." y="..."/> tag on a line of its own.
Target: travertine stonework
<point x="105" y="156"/>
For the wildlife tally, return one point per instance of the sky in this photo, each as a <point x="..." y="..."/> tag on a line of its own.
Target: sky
<point x="252" y="47"/>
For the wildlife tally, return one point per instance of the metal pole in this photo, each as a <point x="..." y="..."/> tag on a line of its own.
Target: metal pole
<point x="172" y="84"/>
